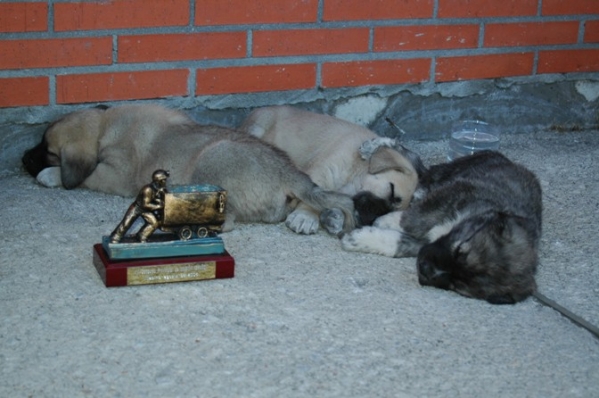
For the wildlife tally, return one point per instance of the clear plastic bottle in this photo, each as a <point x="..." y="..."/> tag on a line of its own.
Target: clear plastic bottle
<point x="471" y="136"/>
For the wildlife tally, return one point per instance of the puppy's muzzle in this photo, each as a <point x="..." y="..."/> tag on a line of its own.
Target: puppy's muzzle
<point x="34" y="160"/>
<point x="429" y="275"/>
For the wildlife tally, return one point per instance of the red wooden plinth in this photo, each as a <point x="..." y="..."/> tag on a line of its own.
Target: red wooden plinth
<point x="162" y="270"/>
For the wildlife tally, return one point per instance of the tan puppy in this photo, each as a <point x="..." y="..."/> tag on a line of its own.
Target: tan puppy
<point x="337" y="155"/>
<point x="116" y="150"/>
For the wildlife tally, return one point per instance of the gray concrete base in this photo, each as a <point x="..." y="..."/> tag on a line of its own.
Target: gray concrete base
<point x="301" y="318"/>
<point x="424" y="112"/>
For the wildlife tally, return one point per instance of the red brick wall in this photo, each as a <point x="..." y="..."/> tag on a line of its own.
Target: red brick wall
<point x="74" y="52"/>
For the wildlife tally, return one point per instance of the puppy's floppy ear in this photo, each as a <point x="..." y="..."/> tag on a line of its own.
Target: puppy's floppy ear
<point x="382" y="160"/>
<point x="462" y="233"/>
<point x="77" y="162"/>
<point x="369" y="147"/>
<point x="388" y="159"/>
<point x="508" y="224"/>
<point x="382" y="155"/>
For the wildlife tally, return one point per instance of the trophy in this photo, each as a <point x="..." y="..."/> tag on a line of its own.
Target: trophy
<point x="178" y="240"/>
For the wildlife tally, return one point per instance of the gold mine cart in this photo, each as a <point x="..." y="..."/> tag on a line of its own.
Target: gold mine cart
<point x="194" y="209"/>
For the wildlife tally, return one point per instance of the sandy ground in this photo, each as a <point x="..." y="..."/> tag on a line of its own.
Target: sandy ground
<point x="301" y="318"/>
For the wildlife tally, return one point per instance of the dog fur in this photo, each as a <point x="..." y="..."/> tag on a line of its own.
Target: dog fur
<point x="337" y="155"/>
<point x="475" y="230"/>
<point x="115" y="150"/>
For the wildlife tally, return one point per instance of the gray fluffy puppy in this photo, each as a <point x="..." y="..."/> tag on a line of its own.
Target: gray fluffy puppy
<point x="474" y="225"/>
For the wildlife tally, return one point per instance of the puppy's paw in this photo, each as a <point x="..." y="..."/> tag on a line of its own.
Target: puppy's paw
<point x="302" y="222"/>
<point x="389" y="221"/>
<point x="50" y="177"/>
<point x="332" y="220"/>
<point x="372" y="240"/>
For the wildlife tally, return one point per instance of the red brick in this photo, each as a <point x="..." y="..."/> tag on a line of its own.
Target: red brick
<point x="567" y="61"/>
<point x="425" y="37"/>
<point x="23" y="17"/>
<point x="367" y="73"/>
<point x="355" y="10"/>
<point x="24" y="91"/>
<point x="120" y="14"/>
<point x="570" y="7"/>
<point x="483" y="66"/>
<point x="486" y="8"/>
<point x="250" y="79"/>
<point x="177" y="47"/>
<point x="225" y="12"/>
<point x="530" y="34"/>
<point x="591" y="32"/>
<point x="310" y="41"/>
<point x="121" y="86"/>
<point x="22" y="54"/>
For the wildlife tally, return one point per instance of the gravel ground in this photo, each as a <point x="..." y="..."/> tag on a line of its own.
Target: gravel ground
<point x="301" y="317"/>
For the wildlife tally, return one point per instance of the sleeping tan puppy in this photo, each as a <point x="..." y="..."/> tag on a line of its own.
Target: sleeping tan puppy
<point x="116" y="150"/>
<point x="337" y="155"/>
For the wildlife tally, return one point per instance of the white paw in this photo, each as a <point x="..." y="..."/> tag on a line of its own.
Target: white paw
<point x="372" y="240"/>
<point x="389" y="221"/>
<point x="50" y="177"/>
<point x="302" y="222"/>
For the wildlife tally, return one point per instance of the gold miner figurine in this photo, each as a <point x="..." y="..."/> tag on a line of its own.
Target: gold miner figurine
<point x="147" y="204"/>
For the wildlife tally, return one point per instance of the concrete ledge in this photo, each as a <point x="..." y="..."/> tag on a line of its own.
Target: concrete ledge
<point x="424" y="111"/>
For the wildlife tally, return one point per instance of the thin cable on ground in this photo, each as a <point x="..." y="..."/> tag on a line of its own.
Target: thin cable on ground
<point x="567" y="313"/>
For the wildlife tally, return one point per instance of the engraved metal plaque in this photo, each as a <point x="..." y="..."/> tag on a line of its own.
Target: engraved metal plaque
<point x="182" y="272"/>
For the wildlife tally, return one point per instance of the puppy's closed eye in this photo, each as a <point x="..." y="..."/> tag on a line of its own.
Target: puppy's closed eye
<point x="395" y="201"/>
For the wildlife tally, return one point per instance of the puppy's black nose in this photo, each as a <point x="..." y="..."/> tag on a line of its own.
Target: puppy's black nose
<point x="34" y="159"/>
<point x="430" y="275"/>
<point x="31" y="164"/>
<point x="425" y="272"/>
<point x="369" y="207"/>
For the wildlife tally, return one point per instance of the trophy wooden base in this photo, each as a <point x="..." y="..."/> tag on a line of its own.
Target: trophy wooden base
<point x="146" y="271"/>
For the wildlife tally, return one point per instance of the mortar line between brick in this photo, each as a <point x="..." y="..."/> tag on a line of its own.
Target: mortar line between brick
<point x="318" y="75"/>
<point x="191" y="82"/>
<point x="249" y="43"/>
<point x="115" y="49"/>
<point x="50" y="17"/>
<point x="320" y="11"/>
<point x="581" y="29"/>
<point x="52" y="89"/>
<point x="51" y="77"/>
<point x="481" y="35"/>
<point x="192" y="13"/>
